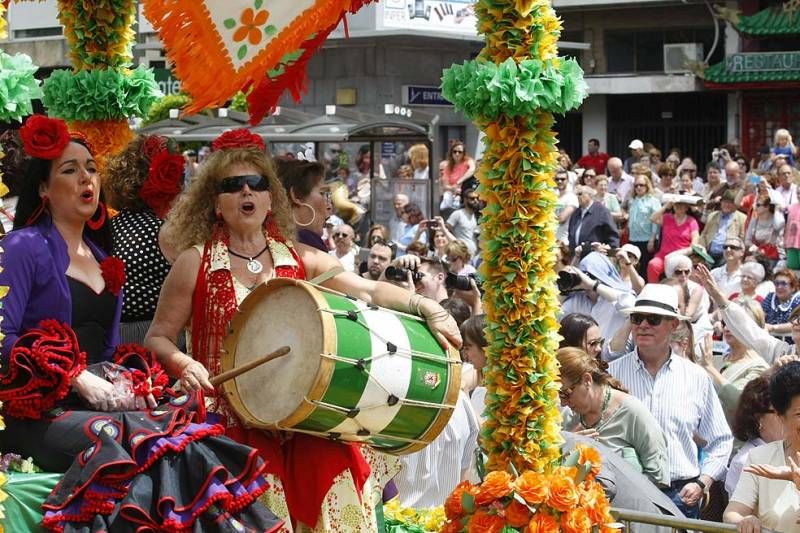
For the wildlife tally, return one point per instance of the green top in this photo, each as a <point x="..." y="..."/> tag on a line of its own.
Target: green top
<point x="633" y="433"/>
<point x="737" y="375"/>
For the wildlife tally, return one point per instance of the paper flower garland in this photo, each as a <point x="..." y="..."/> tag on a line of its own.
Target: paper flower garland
<point x="100" y="94"/>
<point x="510" y="90"/>
<point x="17" y="86"/>
<point x="3" y="24"/>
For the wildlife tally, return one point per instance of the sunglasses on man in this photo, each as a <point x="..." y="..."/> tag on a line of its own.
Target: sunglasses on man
<point x="236" y="183"/>
<point x="653" y="320"/>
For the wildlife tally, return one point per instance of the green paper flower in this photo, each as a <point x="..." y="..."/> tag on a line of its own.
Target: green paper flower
<point x="100" y="94"/>
<point x="17" y="86"/>
<point x="486" y="90"/>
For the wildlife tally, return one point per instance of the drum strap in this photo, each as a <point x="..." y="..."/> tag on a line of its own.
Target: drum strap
<point x="325" y="276"/>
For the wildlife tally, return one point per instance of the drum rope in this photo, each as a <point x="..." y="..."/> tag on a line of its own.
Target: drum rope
<point x="401" y="401"/>
<point x="410" y="354"/>
<point x="328" y="436"/>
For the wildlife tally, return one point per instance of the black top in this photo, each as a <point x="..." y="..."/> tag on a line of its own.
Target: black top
<point x="92" y="318"/>
<point x="136" y="243"/>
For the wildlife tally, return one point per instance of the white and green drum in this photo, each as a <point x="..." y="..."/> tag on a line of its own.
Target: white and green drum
<point x="356" y="372"/>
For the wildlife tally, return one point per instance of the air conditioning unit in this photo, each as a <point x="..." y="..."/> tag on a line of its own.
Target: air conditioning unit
<point x="678" y="55"/>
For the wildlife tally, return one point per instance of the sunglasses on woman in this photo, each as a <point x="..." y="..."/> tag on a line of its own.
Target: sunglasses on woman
<point x="236" y="183"/>
<point x="653" y="320"/>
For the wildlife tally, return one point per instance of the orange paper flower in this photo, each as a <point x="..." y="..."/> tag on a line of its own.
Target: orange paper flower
<point x="533" y="487"/>
<point x="563" y="494"/>
<point x="590" y="455"/>
<point x="494" y="486"/>
<point x="517" y="514"/>
<point x="576" y="521"/>
<point x="251" y="26"/>
<point x="483" y="522"/>
<point x="452" y="526"/>
<point x="542" y="522"/>
<point x="452" y="505"/>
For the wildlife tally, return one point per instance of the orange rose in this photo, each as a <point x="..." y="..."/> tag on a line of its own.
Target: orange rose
<point x="496" y="485"/>
<point x="452" y="505"/>
<point x="576" y="521"/>
<point x="594" y="500"/>
<point x="483" y="522"/>
<point x="590" y="455"/>
<point x="563" y="494"/>
<point x="533" y="487"/>
<point x="542" y="523"/>
<point x="517" y="514"/>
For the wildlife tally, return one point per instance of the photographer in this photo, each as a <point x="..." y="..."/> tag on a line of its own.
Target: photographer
<point x="595" y="289"/>
<point x="430" y="278"/>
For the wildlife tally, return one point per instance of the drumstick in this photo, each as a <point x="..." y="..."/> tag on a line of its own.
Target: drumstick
<point x="235" y="372"/>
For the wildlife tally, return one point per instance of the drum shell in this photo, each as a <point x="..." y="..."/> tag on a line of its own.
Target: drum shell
<point x="326" y="343"/>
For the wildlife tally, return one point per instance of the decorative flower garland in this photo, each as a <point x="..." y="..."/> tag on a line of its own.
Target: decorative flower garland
<point x="100" y="94"/>
<point x="3" y="24"/>
<point x="510" y="91"/>
<point x="407" y="520"/>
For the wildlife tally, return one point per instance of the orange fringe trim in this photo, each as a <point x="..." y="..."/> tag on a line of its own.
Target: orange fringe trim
<point x="185" y="27"/>
<point x="107" y="137"/>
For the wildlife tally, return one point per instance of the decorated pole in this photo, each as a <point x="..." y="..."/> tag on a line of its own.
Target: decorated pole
<point x="511" y="91"/>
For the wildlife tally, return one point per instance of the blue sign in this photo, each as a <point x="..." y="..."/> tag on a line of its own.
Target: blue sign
<point x="423" y="95"/>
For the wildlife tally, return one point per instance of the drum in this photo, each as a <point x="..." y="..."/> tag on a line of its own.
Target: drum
<point x="356" y="372"/>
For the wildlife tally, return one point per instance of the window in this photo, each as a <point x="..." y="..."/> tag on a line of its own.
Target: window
<point x="643" y="51"/>
<point x="38" y="32"/>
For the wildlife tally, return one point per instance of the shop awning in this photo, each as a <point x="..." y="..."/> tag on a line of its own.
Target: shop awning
<point x="770" y="21"/>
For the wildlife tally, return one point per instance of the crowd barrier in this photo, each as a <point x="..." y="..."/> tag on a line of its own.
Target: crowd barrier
<point x="628" y="517"/>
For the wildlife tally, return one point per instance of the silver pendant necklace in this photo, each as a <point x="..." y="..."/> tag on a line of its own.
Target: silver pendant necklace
<point x="254" y="266"/>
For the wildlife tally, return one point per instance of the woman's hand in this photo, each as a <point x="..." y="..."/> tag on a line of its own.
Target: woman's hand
<point x="785" y="473"/>
<point x="442" y="325"/>
<point x="749" y="524"/>
<point x="100" y="394"/>
<point x="194" y="376"/>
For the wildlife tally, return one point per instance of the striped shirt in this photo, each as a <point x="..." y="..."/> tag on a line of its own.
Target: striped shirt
<point x="430" y="475"/>
<point x="682" y="399"/>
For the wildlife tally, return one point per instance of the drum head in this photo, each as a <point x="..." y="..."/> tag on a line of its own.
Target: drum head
<point x="274" y="315"/>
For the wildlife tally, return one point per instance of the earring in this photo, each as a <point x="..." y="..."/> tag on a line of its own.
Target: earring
<point x="99" y="217"/>
<point x="313" y="216"/>
<point x="38" y="211"/>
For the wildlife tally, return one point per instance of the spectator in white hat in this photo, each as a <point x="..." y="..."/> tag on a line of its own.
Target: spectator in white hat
<point x="637" y="151"/>
<point x="679" y="394"/>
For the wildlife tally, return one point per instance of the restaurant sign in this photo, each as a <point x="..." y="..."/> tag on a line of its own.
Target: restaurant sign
<point x="763" y="62"/>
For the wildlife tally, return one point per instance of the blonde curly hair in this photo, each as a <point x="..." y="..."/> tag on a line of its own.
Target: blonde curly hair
<point x="191" y="220"/>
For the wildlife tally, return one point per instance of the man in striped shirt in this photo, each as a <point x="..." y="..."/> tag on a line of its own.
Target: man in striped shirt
<point x="679" y="394"/>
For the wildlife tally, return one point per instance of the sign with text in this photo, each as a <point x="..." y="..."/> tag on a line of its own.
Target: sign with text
<point x="423" y="95"/>
<point x="453" y="16"/>
<point x="167" y="81"/>
<point x="763" y="62"/>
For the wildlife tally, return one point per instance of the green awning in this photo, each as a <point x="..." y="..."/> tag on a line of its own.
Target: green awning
<point x="770" y="21"/>
<point x="719" y="73"/>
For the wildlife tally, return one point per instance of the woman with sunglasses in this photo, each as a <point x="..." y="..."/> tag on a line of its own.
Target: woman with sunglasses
<point x="233" y="228"/>
<point x="453" y="172"/>
<point x="601" y="407"/>
<point x="69" y="399"/>
<point x="779" y="306"/>
<point x="642" y="231"/>
<point x="692" y="298"/>
<point x="744" y="327"/>
<point x="765" y="230"/>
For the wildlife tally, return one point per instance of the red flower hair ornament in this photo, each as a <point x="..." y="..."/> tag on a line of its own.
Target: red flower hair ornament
<point x="164" y="175"/>
<point x="113" y="271"/>
<point x="238" y="138"/>
<point x="44" y="137"/>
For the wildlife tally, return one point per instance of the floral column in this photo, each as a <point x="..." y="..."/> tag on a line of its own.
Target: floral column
<point x="511" y="90"/>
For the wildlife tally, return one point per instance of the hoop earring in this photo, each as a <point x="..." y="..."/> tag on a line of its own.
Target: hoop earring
<point x="313" y="215"/>
<point x="38" y="211"/>
<point x="99" y="217"/>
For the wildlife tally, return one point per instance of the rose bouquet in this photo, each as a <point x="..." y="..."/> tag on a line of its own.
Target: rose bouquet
<point x="568" y="500"/>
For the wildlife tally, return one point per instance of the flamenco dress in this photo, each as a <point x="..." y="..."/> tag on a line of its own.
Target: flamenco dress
<point x="315" y="484"/>
<point x="160" y="470"/>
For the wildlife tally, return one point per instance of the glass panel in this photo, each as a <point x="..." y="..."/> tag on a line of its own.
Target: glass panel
<point x="650" y="51"/>
<point x="620" y="51"/>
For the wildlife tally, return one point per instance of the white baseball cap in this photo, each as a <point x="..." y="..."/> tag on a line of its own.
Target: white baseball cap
<point x="636" y="144"/>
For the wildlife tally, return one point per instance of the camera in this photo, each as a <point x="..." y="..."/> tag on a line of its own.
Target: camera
<point x="567" y="281"/>
<point x="461" y="283"/>
<point x="393" y="273"/>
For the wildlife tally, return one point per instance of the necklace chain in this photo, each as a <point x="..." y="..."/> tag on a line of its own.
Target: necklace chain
<point x="254" y="266"/>
<point x="606" y="401"/>
<point x="240" y="256"/>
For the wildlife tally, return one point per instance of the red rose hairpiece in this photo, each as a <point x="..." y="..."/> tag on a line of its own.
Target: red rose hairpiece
<point x="238" y="138"/>
<point x="163" y="181"/>
<point x="44" y="137"/>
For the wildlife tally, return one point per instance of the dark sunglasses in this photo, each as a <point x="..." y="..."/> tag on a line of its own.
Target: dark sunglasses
<point x="731" y="247"/>
<point x="679" y="271"/>
<point x="653" y="320"/>
<point x="565" y="393"/>
<point x="236" y="183"/>
<point x="340" y="234"/>
<point x="458" y="151"/>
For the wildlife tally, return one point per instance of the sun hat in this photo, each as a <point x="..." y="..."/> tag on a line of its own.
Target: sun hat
<point x="632" y="250"/>
<point x="656" y="299"/>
